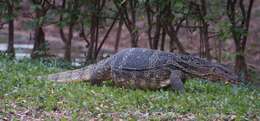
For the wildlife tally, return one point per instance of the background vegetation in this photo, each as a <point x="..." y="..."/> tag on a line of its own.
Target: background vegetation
<point x="218" y="20"/>
<point x="214" y="21"/>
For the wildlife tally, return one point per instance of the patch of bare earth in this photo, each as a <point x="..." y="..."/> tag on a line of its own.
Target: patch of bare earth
<point x="16" y="112"/>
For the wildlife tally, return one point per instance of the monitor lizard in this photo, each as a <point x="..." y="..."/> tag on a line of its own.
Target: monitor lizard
<point x="147" y="69"/>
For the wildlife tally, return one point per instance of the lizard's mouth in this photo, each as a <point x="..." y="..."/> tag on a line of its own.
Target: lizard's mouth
<point x="234" y="80"/>
<point x="226" y="79"/>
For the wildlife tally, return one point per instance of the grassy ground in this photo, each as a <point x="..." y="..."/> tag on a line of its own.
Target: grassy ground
<point x="24" y="98"/>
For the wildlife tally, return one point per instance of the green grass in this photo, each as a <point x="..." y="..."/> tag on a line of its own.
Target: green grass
<point x="21" y="96"/>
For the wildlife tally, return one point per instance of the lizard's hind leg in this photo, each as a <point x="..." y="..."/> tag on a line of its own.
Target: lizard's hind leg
<point x="101" y="72"/>
<point x="97" y="77"/>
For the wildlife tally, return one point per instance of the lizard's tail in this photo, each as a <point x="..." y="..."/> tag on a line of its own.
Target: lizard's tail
<point x="69" y="76"/>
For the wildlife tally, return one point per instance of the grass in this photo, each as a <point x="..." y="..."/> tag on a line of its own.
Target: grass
<point x="24" y="98"/>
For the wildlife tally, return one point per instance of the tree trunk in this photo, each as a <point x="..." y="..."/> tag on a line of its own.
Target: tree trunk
<point x="240" y="38"/>
<point x="163" y="40"/>
<point x="157" y="33"/>
<point x="39" y="40"/>
<point x="91" y="51"/>
<point x="10" y="48"/>
<point x="167" y="19"/>
<point x="149" y="16"/>
<point x="204" y="45"/>
<point x="39" y="35"/>
<point x="219" y="50"/>
<point x="134" y="38"/>
<point x="174" y="39"/>
<point x="118" y="34"/>
<point x="67" y="54"/>
<point x="240" y="64"/>
<point x="134" y="31"/>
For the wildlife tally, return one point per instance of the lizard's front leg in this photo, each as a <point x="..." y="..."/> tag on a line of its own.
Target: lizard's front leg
<point x="176" y="78"/>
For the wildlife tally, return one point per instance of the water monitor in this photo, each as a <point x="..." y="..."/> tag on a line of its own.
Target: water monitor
<point x="147" y="69"/>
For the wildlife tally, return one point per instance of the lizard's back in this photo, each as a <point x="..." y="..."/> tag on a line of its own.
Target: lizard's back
<point x="141" y="68"/>
<point x="140" y="59"/>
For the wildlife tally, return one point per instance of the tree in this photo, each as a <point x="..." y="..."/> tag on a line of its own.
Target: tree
<point x="127" y="10"/>
<point x="8" y="12"/>
<point x="153" y="14"/>
<point x="97" y="16"/>
<point x="239" y="13"/>
<point x="70" y="13"/>
<point x="40" y="8"/>
<point x="171" y="23"/>
<point x="10" y="48"/>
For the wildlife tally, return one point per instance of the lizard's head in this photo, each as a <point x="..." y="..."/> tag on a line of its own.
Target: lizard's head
<point x="207" y="70"/>
<point x="221" y="72"/>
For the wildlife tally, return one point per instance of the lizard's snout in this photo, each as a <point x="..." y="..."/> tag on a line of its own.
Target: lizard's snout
<point x="235" y="79"/>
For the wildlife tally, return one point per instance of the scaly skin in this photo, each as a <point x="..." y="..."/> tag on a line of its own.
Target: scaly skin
<point x="147" y="69"/>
